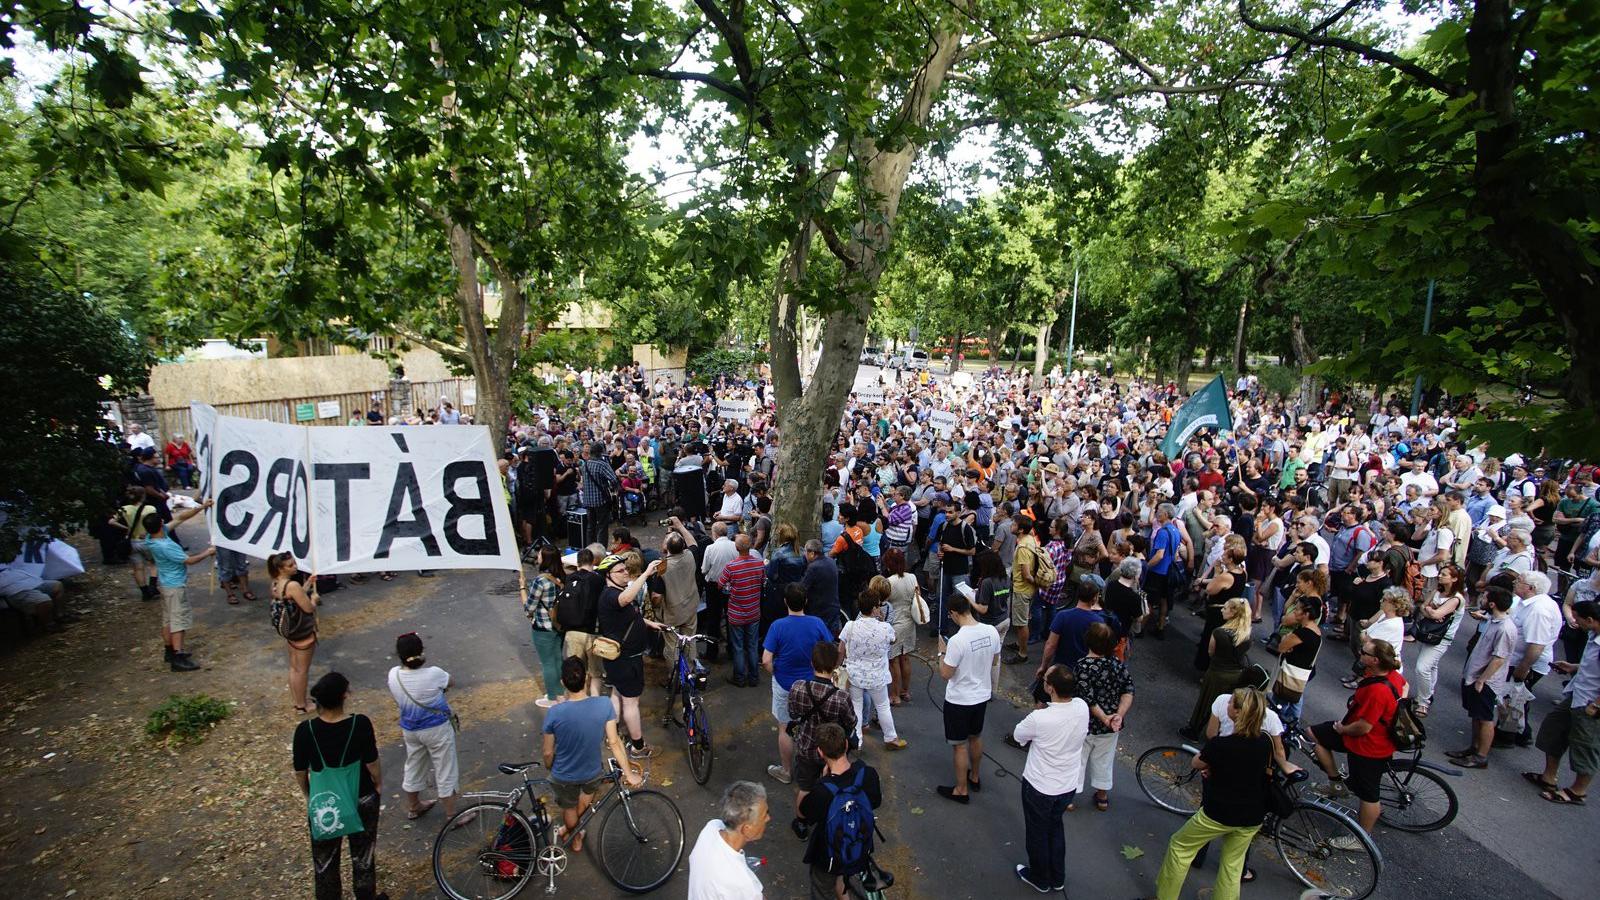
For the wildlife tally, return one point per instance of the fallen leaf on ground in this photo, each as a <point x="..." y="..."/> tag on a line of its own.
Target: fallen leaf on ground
<point x="1129" y="851"/>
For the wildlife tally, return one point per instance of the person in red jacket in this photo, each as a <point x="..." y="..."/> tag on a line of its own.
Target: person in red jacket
<point x="1363" y="734"/>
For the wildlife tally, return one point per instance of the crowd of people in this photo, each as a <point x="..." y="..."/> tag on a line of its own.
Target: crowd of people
<point x="985" y="522"/>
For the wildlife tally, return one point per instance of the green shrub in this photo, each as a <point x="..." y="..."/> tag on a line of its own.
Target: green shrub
<point x="1279" y="380"/>
<point x="186" y="719"/>
<point x="707" y="365"/>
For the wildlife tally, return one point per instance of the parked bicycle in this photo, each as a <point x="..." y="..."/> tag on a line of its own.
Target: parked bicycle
<point x="687" y="684"/>
<point x="1412" y="795"/>
<point x="491" y="848"/>
<point x="1311" y="840"/>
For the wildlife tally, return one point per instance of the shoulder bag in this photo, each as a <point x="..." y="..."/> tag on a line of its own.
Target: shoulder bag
<point x="920" y="614"/>
<point x="608" y="648"/>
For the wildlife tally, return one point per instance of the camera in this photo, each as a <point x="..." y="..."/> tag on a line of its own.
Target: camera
<point x="665" y="523"/>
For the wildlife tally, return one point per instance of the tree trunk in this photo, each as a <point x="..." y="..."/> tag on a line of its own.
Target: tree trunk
<point x="997" y="341"/>
<point x="1211" y="356"/>
<point x="953" y="361"/>
<point x="1041" y="343"/>
<point x="1184" y="365"/>
<point x="809" y="419"/>
<point x="1238" y="336"/>
<point x="1310" y="385"/>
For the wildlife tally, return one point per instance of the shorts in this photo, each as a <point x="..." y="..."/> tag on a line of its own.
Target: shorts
<point x="1479" y="704"/>
<point x="807" y="770"/>
<point x="231" y="564"/>
<point x="1020" y="607"/>
<point x="626" y="675"/>
<point x="963" y="722"/>
<point x="1365" y="773"/>
<point x="567" y="794"/>
<point x="430" y="750"/>
<point x="578" y="643"/>
<point x="24" y="601"/>
<point x="780" y="703"/>
<point x="1571" y="732"/>
<point x="176" y="613"/>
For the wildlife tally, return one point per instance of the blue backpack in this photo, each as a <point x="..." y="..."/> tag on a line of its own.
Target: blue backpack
<point x="850" y="826"/>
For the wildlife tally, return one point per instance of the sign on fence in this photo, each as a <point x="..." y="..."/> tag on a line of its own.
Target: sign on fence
<point x="354" y="499"/>
<point x="943" y="422"/>
<point x="305" y="412"/>
<point x="328" y="409"/>
<point x="737" y="410"/>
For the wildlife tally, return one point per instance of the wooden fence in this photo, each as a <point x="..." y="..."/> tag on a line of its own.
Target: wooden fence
<point x="311" y="410"/>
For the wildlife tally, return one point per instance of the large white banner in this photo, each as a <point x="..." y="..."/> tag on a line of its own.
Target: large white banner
<point x="355" y="499"/>
<point x="943" y="422"/>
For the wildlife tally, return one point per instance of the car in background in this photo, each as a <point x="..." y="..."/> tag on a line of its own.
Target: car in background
<point x="871" y="356"/>
<point x="910" y="359"/>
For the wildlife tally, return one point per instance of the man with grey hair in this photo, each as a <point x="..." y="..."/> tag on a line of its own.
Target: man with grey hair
<point x="732" y="509"/>
<point x="717" y="866"/>
<point x="1538" y="621"/>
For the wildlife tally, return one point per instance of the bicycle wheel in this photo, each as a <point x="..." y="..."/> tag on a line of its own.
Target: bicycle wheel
<point x="1167" y="778"/>
<point x="490" y="857"/>
<point x="697" y="729"/>
<point x="641" y="841"/>
<point x="1327" y="850"/>
<point x="1415" y="798"/>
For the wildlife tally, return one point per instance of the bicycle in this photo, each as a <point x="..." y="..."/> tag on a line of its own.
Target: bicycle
<point x="491" y="849"/>
<point x="689" y="679"/>
<point x="1412" y="795"/>
<point x="1307" y="840"/>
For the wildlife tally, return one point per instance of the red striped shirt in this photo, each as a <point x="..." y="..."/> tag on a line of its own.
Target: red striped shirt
<point x="741" y="580"/>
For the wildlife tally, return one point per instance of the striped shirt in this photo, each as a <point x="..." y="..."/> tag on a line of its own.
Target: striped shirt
<point x="902" y="518"/>
<point x="741" y="580"/>
<point x="540" y="604"/>
<point x="1061" y="558"/>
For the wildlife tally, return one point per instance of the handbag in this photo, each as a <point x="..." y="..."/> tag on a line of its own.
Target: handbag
<point x="1430" y="631"/>
<point x="1280" y="801"/>
<point x="1480" y="551"/>
<point x="608" y="648"/>
<point x="1290" y="681"/>
<point x="455" y="720"/>
<point x="920" y="614"/>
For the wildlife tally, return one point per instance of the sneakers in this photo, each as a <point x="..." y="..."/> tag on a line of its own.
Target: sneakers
<point x="642" y="751"/>
<point x="896" y="744"/>
<point x="779" y="774"/>
<point x="183" y="662"/>
<point x="546" y="702"/>
<point x="1022" y="876"/>
<point x="1335" y="789"/>
<point x="800" y="828"/>
<point x="167" y="654"/>
<point x="1346" y="842"/>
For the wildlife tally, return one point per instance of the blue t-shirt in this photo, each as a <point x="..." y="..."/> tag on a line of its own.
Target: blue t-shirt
<point x="830" y="533"/>
<point x="580" y="730"/>
<point x="172" y="561"/>
<point x="1166" y="538"/>
<point x="790" y="639"/>
<point x="1069" y="626"/>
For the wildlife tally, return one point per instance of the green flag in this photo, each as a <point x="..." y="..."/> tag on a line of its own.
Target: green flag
<point x="1206" y="408"/>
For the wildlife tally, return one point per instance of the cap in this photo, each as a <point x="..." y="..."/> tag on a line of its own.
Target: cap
<point x="1497" y="510"/>
<point x="143" y="452"/>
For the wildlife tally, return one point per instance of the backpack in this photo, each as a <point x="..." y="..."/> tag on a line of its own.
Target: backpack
<point x="577" y="604"/>
<point x="1406" y="731"/>
<point x="856" y="562"/>
<point x="1044" y="570"/>
<point x="849" y="826"/>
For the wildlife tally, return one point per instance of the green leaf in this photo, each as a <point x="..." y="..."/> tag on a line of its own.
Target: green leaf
<point x="1130" y="852"/>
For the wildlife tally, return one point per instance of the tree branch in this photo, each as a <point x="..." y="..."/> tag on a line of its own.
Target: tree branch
<point x="1316" y="38"/>
<point x="438" y="346"/>
<point x="836" y="245"/>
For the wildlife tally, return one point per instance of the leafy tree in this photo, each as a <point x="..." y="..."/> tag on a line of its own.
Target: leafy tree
<point x="62" y="357"/>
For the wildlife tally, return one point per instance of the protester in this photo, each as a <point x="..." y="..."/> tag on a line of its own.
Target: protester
<point x="837" y="776"/>
<point x="1572" y="729"/>
<point x="172" y="573"/>
<point x="787" y="655"/>
<point x="1438" y="619"/>
<point x="904" y="595"/>
<point x="1229" y="653"/>
<point x="427" y="728"/>
<point x="341" y="805"/>
<point x="814" y="702"/>
<point x="968" y="656"/>
<point x="622" y="622"/>
<point x="540" y="606"/>
<point x="579" y="619"/>
<point x="1485" y="673"/>
<point x="865" y="643"/>
<point x="1052" y="776"/>
<point x="295" y="612"/>
<point x="1363" y="735"/>
<point x="741" y="581"/>
<point x="578" y="733"/>
<point x="1105" y="685"/>
<point x="718" y="869"/>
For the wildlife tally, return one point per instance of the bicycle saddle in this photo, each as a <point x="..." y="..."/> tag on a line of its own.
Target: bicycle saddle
<point x="517" y="768"/>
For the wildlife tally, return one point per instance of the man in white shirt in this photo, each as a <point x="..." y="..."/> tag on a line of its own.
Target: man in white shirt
<point x="1538" y="621"/>
<point x="1054" y="736"/>
<point x="137" y="439"/>
<point x="732" y="509"/>
<point x="1419" y="475"/>
<point x="717" y="866"/>
<point x="965" y="667"/>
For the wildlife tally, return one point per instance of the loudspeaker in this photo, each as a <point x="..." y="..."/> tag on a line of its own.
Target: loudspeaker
<point x="580" y="530"/>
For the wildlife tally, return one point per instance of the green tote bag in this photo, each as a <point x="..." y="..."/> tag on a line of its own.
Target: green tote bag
<point x="331" y="805"/>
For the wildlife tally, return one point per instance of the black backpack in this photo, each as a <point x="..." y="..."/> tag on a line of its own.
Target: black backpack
<point x="577" y="605"/>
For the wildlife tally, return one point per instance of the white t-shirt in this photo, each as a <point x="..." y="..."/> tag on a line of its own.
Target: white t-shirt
<point x="970" y="652"/>
<point x="1271" y="725"/>
<point x="141" y="440"/>
<point x="1538" y="621"/>
<point x="719" y="872"/>
<point x="1439" y="540"/>
<point x="1321" y="543"/>
<point x="1055" y="746"/>
<point x="1393" y="630"/>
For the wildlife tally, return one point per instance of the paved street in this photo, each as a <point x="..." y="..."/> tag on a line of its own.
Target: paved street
<point x="474" y="628"/>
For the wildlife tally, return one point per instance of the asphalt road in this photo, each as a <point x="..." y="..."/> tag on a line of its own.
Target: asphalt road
<point x="1506" y="842"/>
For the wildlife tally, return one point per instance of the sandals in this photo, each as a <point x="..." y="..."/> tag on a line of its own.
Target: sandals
<point x="1248" y="875"/>
<point x="421" y="810"/>
<point x="250" y="596"/>
<point x="1537" y="780"/>
<point x="1563" y="797"/>
<point x="233" y="599"/>
<point x="1101" y="801"/>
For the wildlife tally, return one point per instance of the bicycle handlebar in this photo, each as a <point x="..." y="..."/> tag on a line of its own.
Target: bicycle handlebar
<point x="689" y="638"/>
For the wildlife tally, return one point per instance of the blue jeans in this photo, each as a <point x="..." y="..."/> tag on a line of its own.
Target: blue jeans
<point x="744" y="643"/>
<point x="1039" y="615"/>
<point x="947" y="586"/>
<point x="1045" y="835"/>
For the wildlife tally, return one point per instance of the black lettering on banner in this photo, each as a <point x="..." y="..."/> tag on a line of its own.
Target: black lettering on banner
<point x="300" y="505"/>
<point x="406" y="489"/>
<point x="341" y="474"/>
<point x="277" y="503"/>
<point x="236" y="493"/>
<point x="33" y="552"/>
<point x="461" y="507"/>
<point x="203" y="457"/>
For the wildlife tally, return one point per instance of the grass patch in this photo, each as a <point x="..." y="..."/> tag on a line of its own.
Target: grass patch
<point x="187" y="719"/>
